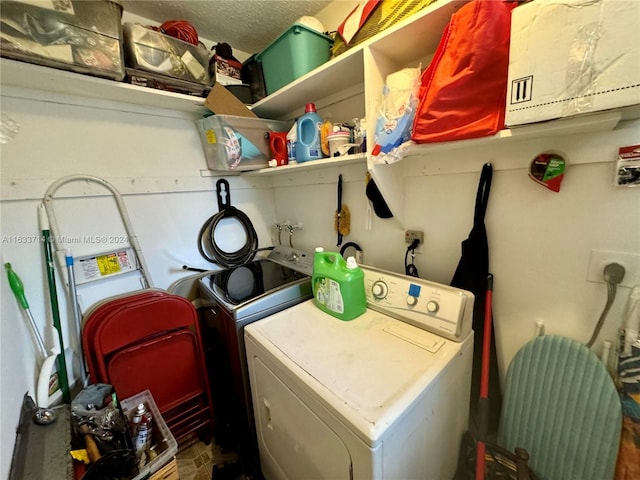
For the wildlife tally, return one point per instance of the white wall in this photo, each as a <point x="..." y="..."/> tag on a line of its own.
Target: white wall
<point x="540" y="241"/>
<point x="153" y="158"/>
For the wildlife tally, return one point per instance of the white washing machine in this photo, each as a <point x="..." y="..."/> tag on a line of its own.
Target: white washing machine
<point x="383" y="396"/>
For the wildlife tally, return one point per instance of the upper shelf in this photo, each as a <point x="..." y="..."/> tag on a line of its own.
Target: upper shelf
<point x="26" y="75"/>
<point x="401" y="43"/>
<point x="312" y="165"/>
<point x="336" y="77"/>
<point x="584" y="123"/>
<point x="341" y="76"/>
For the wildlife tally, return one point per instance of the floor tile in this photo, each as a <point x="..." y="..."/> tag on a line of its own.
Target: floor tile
<point x="196" y="459"/>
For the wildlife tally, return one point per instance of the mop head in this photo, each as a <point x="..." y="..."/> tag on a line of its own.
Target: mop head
<point x="343" y="221"/>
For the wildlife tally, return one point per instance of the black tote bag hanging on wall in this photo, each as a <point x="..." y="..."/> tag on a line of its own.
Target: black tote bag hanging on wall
<point x="471" y="274"/>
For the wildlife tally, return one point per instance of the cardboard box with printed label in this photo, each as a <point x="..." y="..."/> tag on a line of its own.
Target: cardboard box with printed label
<point x="569" y="57"/>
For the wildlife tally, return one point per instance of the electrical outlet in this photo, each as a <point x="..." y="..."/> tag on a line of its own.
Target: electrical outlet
<point x="411" y="235"/>
<point x="601" y="258"/>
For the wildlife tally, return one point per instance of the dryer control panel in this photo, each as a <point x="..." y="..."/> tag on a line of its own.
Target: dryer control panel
<point x="438" y="308"/>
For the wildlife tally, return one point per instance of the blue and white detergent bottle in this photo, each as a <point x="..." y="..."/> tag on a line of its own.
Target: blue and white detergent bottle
<point x="338" y="286"/>
<point x="308" y="146"/>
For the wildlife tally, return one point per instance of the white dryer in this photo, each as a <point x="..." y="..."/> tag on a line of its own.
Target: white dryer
<point x="383" y="396"/>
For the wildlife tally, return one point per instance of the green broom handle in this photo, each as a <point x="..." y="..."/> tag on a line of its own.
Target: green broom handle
<point x="61" y="362"/>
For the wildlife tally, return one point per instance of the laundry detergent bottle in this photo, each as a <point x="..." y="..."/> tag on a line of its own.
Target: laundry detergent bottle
<point x="338" y="286"/>
<point x="309" y="145"/>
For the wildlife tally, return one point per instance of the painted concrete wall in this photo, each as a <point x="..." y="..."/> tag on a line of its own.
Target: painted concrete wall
<point x="540" y="241"/>
<point x="154" y="161"/>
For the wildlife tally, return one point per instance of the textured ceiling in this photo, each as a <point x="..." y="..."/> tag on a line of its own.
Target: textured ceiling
<point x="246" y="25"/>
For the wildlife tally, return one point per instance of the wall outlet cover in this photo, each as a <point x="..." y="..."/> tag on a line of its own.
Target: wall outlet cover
<point x="601" y="258"/>
<point x="411" y="235"/>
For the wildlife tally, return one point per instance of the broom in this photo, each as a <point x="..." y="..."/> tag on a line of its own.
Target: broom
<point x="483" y="404"/>
<point x="342" y="221"/>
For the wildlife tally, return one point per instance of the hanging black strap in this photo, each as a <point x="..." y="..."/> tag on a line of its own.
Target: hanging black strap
<point x="471" y="274"/>
<point x="482" y="196"/>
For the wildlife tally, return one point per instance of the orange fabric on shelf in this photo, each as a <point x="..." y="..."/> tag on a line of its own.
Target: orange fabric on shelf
<point x="463" y="91"/>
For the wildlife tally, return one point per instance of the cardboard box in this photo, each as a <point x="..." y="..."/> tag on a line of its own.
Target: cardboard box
<point x="84" y="37"/>
<point x="569" y="57"/>
<point x="222" y="102"/>
<point x="227" y="70"/>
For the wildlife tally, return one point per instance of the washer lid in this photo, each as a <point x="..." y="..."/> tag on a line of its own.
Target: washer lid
<point x="241" y="284"/>
<point x="369" y="370"/>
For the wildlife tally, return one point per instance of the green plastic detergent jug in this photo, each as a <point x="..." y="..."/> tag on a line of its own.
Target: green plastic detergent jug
<point x="338" y="285"/>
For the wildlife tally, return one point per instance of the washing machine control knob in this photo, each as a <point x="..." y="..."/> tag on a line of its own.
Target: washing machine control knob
<point x="411" y="300"/>
<point x="432" y="306"/>
<point x="379" y="289"/>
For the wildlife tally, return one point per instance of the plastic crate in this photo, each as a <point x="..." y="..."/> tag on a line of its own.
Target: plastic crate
<point x="84" y="37"/>
<point x="166" y="445"/>
<point x="237" y="143"/>
<point x="151" y="51"/>
<point x="297" y="51"/>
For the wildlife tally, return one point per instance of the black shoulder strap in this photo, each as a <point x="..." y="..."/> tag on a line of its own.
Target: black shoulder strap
<point x="482" y="196"/>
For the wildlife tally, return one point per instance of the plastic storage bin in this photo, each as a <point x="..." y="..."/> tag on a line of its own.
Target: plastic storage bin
<point x="151" y="51"/>
<point x="297" y="51"/>
<point x="162" y="82"/>
<point x="84" y="37"/>
<point x="166" y="445"/>
<point x="237" y="143"/>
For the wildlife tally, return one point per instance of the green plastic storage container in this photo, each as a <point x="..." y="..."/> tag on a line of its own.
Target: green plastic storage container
<point x="297" y="51"/>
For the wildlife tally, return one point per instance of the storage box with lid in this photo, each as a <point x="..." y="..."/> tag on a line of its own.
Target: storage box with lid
<point x="165" y="444"/>
<point x="569" y="57"/>
<point x="237" y="143"/>
<point x="295" y="52"/>
<point x="150" y="51"/>
<point x="84" y="37"/>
